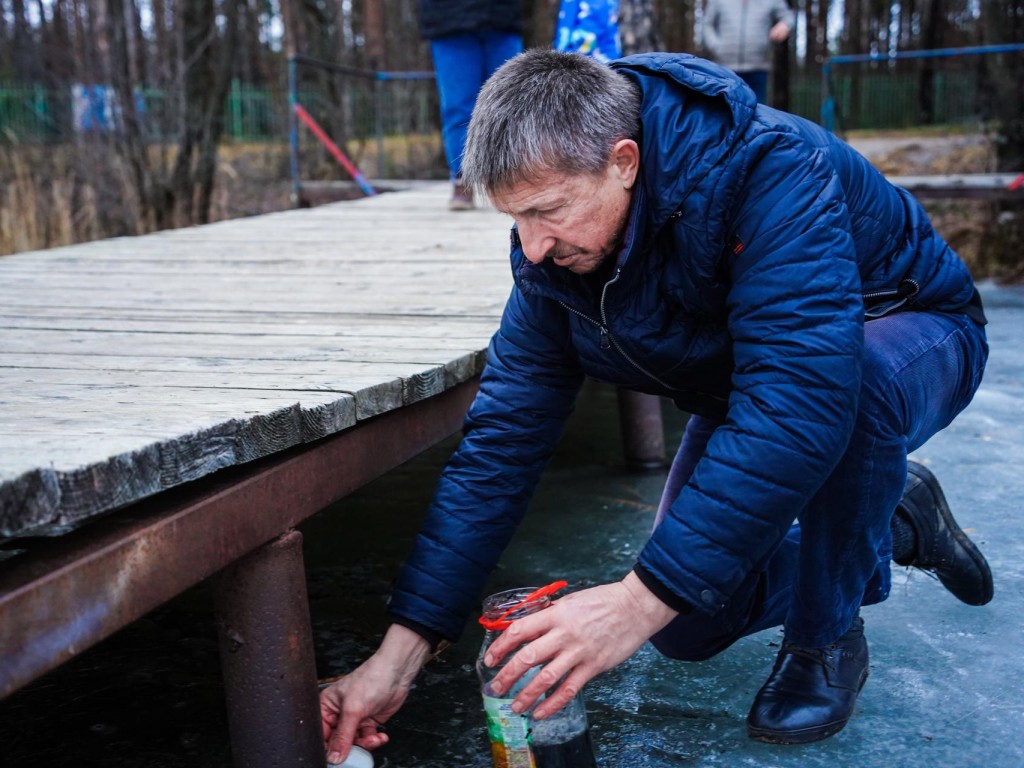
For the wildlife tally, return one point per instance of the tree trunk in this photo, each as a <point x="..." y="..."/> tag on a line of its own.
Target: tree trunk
<point x="855" y="42"/>
<point x="933" y="16"/>
<point x="130" y="143"/>
<point x="1003" y="22"/>
<point x="638" y="27"/>
<point x="677" y="21"/>
<point x="23" y="58"/>
<point x="294" y="27"/>
<point x="373" y="35"/>
<point x="207" y="80"/>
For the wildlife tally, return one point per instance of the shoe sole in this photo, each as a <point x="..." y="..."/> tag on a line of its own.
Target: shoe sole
<point x="804" y="735"/>
<point x="962" y="539"/>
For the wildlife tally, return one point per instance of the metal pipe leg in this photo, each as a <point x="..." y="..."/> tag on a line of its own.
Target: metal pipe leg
<point x="266" y="650"/>
<point x="643" y="436"/>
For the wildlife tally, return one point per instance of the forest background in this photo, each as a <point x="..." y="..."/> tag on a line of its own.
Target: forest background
<point x="121" y="117"/>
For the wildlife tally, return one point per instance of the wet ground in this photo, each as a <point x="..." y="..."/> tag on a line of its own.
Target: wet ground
<point x="945" y="678"/>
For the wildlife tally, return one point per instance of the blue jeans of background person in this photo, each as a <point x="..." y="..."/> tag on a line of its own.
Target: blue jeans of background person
<point x="920" y="370"/>
<point x="757" y="79"/>
<point x="462" y="63"/>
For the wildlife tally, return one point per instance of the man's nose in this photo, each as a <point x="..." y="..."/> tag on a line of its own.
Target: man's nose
<point x="536" y="243"/>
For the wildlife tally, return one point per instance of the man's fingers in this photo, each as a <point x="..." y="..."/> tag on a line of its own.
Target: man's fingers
<point x="526" y="658"/>
<point x="566" y="692"/>
<point x="328" y="718"/>
<point x="543" y="681"/>
<point x="520" y="631"/>
<point x="372" y="741"/>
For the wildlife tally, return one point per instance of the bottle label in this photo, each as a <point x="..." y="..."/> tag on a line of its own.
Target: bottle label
<point x="509" y="735"/>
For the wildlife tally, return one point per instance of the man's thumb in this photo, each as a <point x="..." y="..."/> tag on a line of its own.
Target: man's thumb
<point x="340" y="743"/>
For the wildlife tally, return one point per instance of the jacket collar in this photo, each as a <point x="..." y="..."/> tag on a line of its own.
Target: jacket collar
<point x="692" y="114"/>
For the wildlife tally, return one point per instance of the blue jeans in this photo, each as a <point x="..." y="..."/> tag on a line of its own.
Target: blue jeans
<point x="463" y="63"/>
<point x="757" y="79"/>
<point x="920" y="370"/>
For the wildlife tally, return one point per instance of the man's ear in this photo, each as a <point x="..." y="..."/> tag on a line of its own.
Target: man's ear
<point x="625" y="162"/>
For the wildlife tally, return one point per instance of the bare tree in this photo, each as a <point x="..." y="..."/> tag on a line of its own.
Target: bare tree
<point x="677" y="21"/>
<point x="638" y="27"/>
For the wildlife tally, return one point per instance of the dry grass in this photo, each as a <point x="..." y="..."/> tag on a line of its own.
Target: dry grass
<point x="44" y="201"/>
<point x="70" y="193"/>
<point x="51" y="196"/>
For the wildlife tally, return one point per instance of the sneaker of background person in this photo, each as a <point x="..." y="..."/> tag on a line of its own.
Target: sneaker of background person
<point x="462" y="196"/>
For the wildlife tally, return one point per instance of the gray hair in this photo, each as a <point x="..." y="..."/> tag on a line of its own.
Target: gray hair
<point x="545" y="111"/>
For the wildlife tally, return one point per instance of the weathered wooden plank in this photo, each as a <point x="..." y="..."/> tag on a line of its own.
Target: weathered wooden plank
<point x="460" y="361"/>
<point x="197" y="361"/>
<point x="132" y="365"/>
<point x="431" y="304"/>
<point x="414" y="377"/>
<point x="74" y="483"/>
<point x="103" y="320"/>
<point x="372" y="393"/>
<point x="976" y="186"/>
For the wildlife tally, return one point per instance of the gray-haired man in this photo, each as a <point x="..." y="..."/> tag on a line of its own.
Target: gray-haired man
<point x="675" y="238"/>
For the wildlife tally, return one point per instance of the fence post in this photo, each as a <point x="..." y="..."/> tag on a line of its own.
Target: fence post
<point x="378" y="111"/>
<point x="293" y="129"/>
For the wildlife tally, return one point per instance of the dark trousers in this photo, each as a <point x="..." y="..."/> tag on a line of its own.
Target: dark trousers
<point x="920" y="370"/>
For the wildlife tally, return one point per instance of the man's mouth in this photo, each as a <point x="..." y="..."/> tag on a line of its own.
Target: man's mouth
<point x="562" y="258"/>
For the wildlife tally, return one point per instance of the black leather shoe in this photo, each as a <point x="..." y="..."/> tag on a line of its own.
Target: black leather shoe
<point x="942" y="547"/>
<point x="811" y="691"/>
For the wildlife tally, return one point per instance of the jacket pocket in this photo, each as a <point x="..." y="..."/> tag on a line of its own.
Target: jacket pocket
<point x="884" y="302"/>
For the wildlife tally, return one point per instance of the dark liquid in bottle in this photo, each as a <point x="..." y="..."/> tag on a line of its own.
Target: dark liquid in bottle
<point x="575" y="753"/>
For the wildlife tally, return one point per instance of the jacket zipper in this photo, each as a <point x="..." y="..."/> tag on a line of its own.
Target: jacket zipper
<point x="895" y="291"/>
<point x="608" y="341"/>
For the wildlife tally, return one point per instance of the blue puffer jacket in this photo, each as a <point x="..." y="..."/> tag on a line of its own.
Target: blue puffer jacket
<point x="756" y="246"/>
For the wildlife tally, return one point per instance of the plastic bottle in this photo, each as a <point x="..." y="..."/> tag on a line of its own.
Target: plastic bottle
<point x="561" y="740"/>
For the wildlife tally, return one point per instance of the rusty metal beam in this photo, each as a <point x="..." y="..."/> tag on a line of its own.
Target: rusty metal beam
<point x="83" y="587"/>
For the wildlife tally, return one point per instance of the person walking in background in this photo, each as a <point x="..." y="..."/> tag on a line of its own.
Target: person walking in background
<point x="737" y="34"/>
<point x="590" y="27"/>
<point x="469" y="40"/>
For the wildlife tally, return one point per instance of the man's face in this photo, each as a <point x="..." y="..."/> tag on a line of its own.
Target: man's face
<point x="576" y="221"/>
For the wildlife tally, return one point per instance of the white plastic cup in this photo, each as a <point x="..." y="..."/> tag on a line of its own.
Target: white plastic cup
<point x="357" y="758"/>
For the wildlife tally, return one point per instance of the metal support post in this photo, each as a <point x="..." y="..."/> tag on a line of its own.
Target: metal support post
<point x="266" y="648"/>
<point x="378" y="124"/>
<point x="293" y="131"/>
<point x="643" y="436"/>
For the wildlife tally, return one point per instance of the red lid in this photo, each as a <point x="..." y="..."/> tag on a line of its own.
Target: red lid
<point x="503" y="622"/>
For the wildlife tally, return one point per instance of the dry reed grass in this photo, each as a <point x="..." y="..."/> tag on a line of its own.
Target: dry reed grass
<point x="44" y="202"/>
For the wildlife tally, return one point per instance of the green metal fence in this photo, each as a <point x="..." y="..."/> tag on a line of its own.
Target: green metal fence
<point x="32" y="113"/>
<point x="864" y="100"/>
<point x="36" y="114"/>
<point x="890" y="101"/>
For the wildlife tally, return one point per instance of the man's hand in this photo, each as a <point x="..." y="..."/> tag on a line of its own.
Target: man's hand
<point x="577" y="638"/>
<point x="354" y="708"/>
<point x="779" y="32"/>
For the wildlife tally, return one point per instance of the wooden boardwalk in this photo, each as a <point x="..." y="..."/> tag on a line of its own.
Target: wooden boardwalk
<point x="134" y="365"/>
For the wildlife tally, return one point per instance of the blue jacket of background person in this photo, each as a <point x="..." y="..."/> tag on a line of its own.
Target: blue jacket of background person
<point x="590" y="27"/>
<point x="451" y="17"/>
<point x="756" y="247"/>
